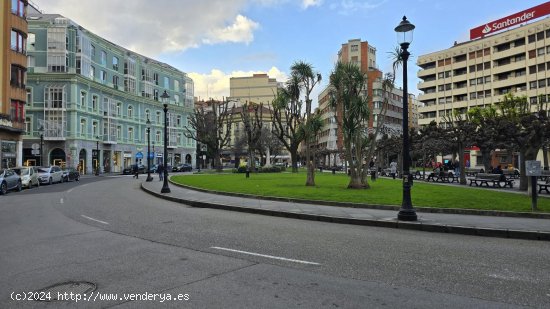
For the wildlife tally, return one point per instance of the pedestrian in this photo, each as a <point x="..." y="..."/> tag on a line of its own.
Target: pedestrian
<point x="136" y="171"/>
<point x="372" y="170"/>
<point x="160" y="170"/>
<point x="457" y="168"/>
<point x="393" y="168"/>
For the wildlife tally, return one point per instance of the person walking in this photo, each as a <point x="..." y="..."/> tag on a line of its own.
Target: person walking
<point x="393" y="168"/>
<point x="160" y="170"/>
<point x="136" y="171"/>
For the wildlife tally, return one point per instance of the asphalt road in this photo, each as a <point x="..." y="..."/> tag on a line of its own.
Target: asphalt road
<point x="108" y="232"/>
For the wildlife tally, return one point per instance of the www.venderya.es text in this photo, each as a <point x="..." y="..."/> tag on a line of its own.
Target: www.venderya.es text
<point x="95" y="296"/>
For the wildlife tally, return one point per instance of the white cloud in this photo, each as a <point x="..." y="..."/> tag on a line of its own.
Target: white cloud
<point x="308" y="3"/>
<point x="151" y="28"/>
<point x="215" y="84"/>
<point x="347" y="7"/>
<point x="242" y="30"/>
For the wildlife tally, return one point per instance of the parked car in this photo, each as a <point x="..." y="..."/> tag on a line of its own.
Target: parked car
<point x="182" y="168"/>
<point x="29" y="176"/>
<point x="49" y="175"/>
<point x="9" y="180"/>
<point x="130" y="169"/>
<point x="71" y="173"/>
<point x="153" y="168"/>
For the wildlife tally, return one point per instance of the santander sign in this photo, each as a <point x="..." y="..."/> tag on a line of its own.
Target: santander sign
<point x="509" y="21"/>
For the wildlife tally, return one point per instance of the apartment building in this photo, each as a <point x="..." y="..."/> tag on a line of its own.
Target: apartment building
<point x="258" y="88"/>
<point x="13" y="65"/>
<point x="481" y="71"/>
<point x="364" y="55"/>
<point x="89" y="100"/>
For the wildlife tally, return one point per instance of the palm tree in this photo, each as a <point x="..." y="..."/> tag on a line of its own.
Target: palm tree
<point x="348" y="86"/>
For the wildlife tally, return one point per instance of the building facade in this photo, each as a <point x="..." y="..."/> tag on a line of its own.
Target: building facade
<point x="480" y="72"/>
<point x="13" y="65"/>
<point x="89" y="101"/>
<point x="257" y="89"/>
<point x="331" y="139"/>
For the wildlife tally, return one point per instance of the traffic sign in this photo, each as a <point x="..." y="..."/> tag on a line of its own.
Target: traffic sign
<point x="35" y="146"/>
<point x="139" y="155"/>
<point x="35" y="152"/>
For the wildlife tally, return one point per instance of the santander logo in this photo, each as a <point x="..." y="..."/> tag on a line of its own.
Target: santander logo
<point x="486" y="30"/>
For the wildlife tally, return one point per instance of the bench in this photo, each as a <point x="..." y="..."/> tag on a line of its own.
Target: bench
<point x="544" y="186"/>
<point x="418" y="175"/>
<point x="471" y="171"/>
<point x="510" y="173"/>
<point x="443" y="177"/>
<point x="495" y="179"/>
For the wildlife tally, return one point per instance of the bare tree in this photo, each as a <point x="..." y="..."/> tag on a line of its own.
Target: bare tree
<point x="251" y="116"/>
<point x="211" y="127"/>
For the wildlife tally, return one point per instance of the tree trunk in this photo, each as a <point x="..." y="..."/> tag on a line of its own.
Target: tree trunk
<point x="461" y="163"/>
<point x="310" y="180"/>
<point x="545" y="157"/>
<point x="486" y="158"/>
<point x="217" y="161"/>
<point x="294" y="160"/>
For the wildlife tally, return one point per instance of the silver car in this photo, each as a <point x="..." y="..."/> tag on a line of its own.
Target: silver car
<point x="9" y="180"/>
<point x="29" y="176"/>
<point x="50" y="174"/>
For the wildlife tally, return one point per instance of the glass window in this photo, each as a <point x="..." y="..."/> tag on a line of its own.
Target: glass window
<point x="166" y="82"/>
<point x="115" y="63"/>
<point x="177" y="84"/>
<point x="103" y="58"/>
<point x="130" y="134"/>
<point x="82" y="98"/>
<point x="95" y="99"/>
<point x="158" y="117"/>
<point x="94" y="128"/>
<point x="130" y="112"/>
<point x="83" y="127"/>
<point x="103" y="76"/>
<point x="92" y="73"/>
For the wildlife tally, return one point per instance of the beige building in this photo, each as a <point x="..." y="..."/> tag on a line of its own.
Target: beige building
<point x="480" y="72"/>
<point x="258" y="88"/>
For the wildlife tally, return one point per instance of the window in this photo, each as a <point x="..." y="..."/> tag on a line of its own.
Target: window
<point x="18" y="7"/>
<point x="103" y="59"/>
<point x="92" y="73"/>
<point x="354" y="48"/>
<point x="542" y="83"/>
<point x="540" y="35"/>
<point x="18" y="77"/>
<point x="115" y="81"/>
<point x="115" y="63"/>
<point x="18" y="41"/>
<point x="156" y="94"/>
<point x="130" y="112"/>
<point x="95" y="99"/>
<point x="158" y="117"/>
<point x="177" y="85"/>
<point x="83" y="99"/>
<point x="83" y="129"/>
<point x="540" y="51"/>
<point x="131" y="135"/>
<point x="94" y="129"/>
<point x="533" y="69"/>
<point x="28" y="126"/>
<point x="532" y="54"/>
<point x="533" y="85"/>
<point x="92" y="52"/>
<point x="166" y="82"/>
<point x="147" y="114"/>
<point x="176" y="99"/>
<point x="118" y="132"/>
<point x="531" y="38"/>
<point x="31" y="39"/>
<point x="103" y="76"/>
<point x="119" y="109"/>
<point x="157" y="136"/>
<point x="156" y="78"/>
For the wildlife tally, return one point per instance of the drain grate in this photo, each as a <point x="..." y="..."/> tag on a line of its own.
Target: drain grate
<point x="61" y="291"/>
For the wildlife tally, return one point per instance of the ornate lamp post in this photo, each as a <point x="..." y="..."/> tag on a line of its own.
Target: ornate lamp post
<point x="405" y="34"/>
<point x="41" y="131"/>
<point x="97" y="156"/>
<point x="148" y="123"/>
<point x="165" y="188"/>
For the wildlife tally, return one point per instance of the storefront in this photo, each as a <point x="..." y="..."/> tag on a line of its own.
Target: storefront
<point x="8" y="150"/>
<point x="117" y="160"/>
<point x="127" y="158"/>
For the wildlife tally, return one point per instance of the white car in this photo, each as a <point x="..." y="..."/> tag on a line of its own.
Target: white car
<point x="29" y="176"/>
<point x="50" y="174"/>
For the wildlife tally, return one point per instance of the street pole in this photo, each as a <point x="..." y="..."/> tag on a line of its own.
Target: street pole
<point x="149" y="178"/>
<point x="41" y="147"/>
<point x="165" y="187"/>
<point x="407" y="212"/>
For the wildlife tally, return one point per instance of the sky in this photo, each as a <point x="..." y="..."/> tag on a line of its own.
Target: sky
<point x="213" y="40"/>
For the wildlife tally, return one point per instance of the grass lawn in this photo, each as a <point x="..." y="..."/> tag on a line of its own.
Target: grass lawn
<point x="383" y="191"/>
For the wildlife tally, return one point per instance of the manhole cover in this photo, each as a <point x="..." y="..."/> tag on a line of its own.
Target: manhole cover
<point x="63" y="291"/>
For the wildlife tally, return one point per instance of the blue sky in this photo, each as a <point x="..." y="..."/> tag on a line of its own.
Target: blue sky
<point x="213" y="40"/>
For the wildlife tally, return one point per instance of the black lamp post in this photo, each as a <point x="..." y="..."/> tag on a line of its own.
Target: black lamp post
<point x="148" y="123"/>
<point x="41" y="130"/>
<point x="165" y="188"/>
<point x="97" y="156"/>
<point x="407" y="212"/>
<point x="154" y="153"/>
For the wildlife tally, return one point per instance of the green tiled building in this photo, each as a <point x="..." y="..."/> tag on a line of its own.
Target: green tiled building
<point x="90" y="99"/>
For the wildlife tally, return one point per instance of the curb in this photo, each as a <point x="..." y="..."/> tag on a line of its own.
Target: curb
<point x="455" y="211"/>
<point x="419" y="226"/>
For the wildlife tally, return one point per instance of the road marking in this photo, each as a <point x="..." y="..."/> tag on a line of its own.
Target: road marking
<point x="266" y="256"/>
<point x="102" y="222"/>
<point x="61" y="201"/>
<point x="70" y="190"/>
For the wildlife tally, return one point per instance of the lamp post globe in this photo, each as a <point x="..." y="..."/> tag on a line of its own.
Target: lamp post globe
<point x="405" y="34"/>
<point x="165" y="187"/>
<point x="149" y="178"/>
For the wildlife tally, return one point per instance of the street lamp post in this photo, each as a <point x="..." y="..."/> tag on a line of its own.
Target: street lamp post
<point x="97" y="156"/>
<point x="407" y="212"/>
<point x="165" y="188"/>
<point x="41" y="130"/>
<point x="148" y="123"/>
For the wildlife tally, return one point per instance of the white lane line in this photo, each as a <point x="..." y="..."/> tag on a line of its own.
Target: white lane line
<point x="266" y="256"/>
<point x="70" y="190"/>
<point x="61" y="201"/>
<point x="102" y="222"/>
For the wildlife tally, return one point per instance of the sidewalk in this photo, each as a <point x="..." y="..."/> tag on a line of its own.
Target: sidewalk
<point x="517" y="225"/>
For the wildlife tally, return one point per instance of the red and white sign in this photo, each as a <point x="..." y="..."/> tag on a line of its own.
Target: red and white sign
<point x="510" y="21"/>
